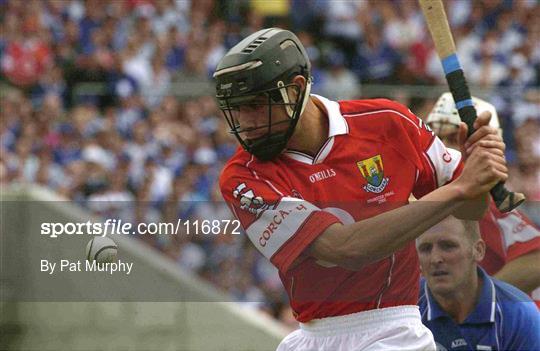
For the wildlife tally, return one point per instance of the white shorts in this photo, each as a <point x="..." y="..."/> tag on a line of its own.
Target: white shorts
<point x="393" y="328"/>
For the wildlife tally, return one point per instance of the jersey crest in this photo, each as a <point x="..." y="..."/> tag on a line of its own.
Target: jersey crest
<point x="249" y="201"/>
<point x="373" y="172"/>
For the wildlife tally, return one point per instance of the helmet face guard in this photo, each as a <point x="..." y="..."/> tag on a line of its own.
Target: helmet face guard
<point x="273" y="133"/>
<point x="254" y="86"/>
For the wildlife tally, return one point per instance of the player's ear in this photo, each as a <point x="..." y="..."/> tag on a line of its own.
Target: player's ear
<point x="300" y="82"/>
<point x="479" y="250"/>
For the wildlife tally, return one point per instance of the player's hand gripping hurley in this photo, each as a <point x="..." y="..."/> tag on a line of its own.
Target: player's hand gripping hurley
<point x="444" y="43"/>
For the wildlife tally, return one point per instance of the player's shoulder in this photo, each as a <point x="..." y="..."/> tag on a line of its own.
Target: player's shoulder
<point x="237" y="165"/>
<point x="364" y="107"/>
<point x="244" y="166"/>
<point x="378" y="115"/>
<point x="520" y="320"/>
<point x="514" y="303"/>
<point x="378" y="111"/>
<point x="508" y="292"/>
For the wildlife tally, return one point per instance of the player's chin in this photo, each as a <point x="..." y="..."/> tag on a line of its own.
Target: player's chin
<point x="441" y="289"/>
<point x="440" y="282"/>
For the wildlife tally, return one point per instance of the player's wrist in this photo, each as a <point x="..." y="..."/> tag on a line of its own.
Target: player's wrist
<point x="457" y="191"/>
<point x="449" y="193"/>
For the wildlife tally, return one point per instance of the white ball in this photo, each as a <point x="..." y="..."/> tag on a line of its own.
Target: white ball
<point x="101" y="249"/>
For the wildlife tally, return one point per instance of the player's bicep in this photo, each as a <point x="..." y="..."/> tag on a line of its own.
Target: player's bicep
<point x="276" y="226"/>
<point x="284" y="232"/>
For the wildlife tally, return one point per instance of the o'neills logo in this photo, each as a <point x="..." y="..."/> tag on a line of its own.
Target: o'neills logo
<point x="327" y="173"/>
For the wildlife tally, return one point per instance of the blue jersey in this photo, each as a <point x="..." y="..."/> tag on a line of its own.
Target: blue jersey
<point x="504" y="318"/>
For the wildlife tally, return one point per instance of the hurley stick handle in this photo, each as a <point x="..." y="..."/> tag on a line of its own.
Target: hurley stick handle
<point x="444" y="43"/>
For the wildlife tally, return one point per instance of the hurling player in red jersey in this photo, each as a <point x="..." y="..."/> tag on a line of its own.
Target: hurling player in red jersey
<point x="321" y="188"/>
<point x="512" y="240"/>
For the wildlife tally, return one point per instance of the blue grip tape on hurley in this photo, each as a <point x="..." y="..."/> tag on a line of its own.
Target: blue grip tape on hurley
<point x="450" y="64"/>
<point x="463" y="103"/>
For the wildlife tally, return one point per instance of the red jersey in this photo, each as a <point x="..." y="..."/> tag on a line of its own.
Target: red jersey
<point x="377" y="153"/>
<point x="507" y="236"/>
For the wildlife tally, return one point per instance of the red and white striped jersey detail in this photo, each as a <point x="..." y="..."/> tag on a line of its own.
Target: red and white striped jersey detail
<point x="279" y="224"/>
<point x="508" y="236"/>
<point x="445" y="165"/>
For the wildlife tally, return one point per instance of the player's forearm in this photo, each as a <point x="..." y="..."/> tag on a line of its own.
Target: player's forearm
<point x="353" y="246"/>
<point x="522" y="272"/>
<point x="473" y="210"/>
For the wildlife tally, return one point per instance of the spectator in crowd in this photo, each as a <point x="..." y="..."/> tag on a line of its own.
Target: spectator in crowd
<point x="486" y="70"/>
<point x="340" y="82"/>
<point x="157" y="88"/>
<point x="376" y="60"/>
<point x="461" y="304"/>
<point x="342" y="27"/>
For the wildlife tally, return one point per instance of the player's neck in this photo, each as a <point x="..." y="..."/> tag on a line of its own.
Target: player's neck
<point x="463" y="301"/>
<point x="312" y="130"/>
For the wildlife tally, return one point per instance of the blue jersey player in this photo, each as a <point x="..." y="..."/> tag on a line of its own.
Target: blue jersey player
<point x="464" y="307"/>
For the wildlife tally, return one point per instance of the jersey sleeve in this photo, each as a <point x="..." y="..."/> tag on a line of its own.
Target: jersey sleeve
<point x="437" y="164"/>
<point x="519" y="233"/>
<point x="280" y="226"/>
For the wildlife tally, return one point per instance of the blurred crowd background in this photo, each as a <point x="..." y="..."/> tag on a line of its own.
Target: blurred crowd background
<point x="110" y="102"/>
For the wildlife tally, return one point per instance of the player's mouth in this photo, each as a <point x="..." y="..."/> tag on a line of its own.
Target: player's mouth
<point x="439" y="273"/>
<point x="252" y="140"/>
<point x="254" y="135"/>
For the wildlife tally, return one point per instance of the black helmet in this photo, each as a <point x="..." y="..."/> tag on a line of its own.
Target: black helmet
<point x="257" y="72"/>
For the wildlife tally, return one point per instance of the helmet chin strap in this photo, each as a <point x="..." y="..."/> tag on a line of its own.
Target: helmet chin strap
<point x="285" y="97"/>
<point x="306" y="96"/>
